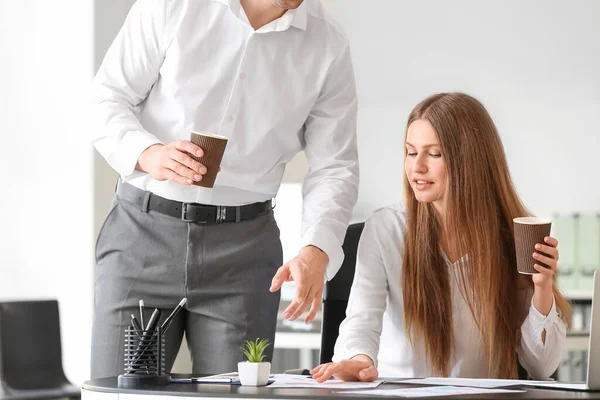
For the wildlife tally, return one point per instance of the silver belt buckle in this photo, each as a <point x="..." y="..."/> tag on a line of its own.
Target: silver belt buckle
<point x="184" y="213"/>
<point x="221" y="214"/>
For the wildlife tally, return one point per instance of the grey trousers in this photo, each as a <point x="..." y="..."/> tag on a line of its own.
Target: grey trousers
<point x="224" y="270"/>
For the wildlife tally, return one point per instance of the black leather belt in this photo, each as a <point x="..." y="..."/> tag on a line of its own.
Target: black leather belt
<point x="191" y="212"/>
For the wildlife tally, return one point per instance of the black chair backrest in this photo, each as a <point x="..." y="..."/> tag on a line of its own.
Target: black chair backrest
<point x="336" y="293"/>
<point x="30" y="345"/>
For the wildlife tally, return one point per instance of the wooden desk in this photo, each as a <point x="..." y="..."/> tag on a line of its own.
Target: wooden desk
<point x="107" y="389"/>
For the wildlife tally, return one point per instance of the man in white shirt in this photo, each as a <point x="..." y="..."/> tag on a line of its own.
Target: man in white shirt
<point x="275" y="77"/>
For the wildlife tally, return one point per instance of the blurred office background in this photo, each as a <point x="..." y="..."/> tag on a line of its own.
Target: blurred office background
<point x="534" y="65"/>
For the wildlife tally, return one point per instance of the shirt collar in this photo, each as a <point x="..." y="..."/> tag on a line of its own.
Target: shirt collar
<point x="296" y="18"/>
<point x="300" y="15"/>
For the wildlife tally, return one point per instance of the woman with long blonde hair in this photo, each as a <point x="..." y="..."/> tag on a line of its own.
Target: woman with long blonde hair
<point x="436" y="290"/>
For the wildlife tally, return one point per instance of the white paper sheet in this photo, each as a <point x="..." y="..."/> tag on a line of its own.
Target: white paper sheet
<point x="469" y="382"/>
<point x="431" y="391"/>
<point x="571" y="386"/>
<point x="305" y="381"/>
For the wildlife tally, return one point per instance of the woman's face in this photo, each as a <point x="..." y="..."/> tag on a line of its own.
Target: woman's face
<point x="424" y="164"/>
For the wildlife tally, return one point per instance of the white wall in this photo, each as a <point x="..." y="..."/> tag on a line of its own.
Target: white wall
<point x="534" y="64"/>
<point x="46" y="165"/>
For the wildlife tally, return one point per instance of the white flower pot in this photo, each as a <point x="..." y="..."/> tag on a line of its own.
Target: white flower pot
<point x="254" y="374"/>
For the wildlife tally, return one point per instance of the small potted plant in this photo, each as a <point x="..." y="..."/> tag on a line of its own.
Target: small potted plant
<point x="254" y="371"/>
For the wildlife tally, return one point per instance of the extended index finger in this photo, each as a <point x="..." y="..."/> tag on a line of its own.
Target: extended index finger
<point x="316" y="304"/>
<point x="295" y="309"/>
<point x="346" y="370"/>
<point x="328" y="372"/>
<point x="316" y="371"/>
<point x="299" y="299"/>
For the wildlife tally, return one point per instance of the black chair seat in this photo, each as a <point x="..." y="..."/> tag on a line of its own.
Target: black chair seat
<point x="31" y="352"/>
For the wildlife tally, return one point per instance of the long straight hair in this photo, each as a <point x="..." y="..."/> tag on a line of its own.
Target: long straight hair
<point x="481" y="203"/>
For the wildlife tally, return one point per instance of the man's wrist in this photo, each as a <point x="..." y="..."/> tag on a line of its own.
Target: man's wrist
<point x="311" y="252"/>
<point x="141" y="164"/>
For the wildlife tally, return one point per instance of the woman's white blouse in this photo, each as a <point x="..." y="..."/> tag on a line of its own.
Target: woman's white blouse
<point x="374" y="323"/>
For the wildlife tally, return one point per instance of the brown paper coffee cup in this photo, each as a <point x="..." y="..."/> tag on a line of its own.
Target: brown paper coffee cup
<point x="528" y="232"/>
<point x="214" y="148"/>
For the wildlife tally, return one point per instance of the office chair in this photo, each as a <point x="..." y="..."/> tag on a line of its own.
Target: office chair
<point x="30" y="352"/>
<point x="336" y="293"/>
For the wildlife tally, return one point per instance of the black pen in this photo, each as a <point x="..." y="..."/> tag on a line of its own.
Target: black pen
<point x="138" y="331"/>
<point x="145" y="341"/>
<point x="142" y="312"/>
<point x="153" y="321"/>
<point x="136" y="326"/>
<point x="167" y="322"/>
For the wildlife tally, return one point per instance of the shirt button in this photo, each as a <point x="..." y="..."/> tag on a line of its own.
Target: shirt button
<point x="242" y="75"/>
<point x="229" y="118"/>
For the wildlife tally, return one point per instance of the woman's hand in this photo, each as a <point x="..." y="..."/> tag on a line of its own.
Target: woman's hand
<point x="545" y="278"/>
<point x="358" y="368"/>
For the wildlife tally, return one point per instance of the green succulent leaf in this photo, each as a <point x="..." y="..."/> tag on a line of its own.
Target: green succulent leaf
<point x="254" y="349"/>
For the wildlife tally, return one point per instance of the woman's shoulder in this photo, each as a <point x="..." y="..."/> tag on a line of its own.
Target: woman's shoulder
<point x="392" y="213"/>
<point x="390" y="220"/>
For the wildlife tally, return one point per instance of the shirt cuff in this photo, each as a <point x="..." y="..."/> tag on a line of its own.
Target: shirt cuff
<point x="541" y="320"/>
<point x="321" y="237"/>
<point x="126" y="155"/>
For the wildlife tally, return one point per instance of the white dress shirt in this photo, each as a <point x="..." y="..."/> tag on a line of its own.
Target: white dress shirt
<point x="375" y="316"/>
<point x="183" y="65"/>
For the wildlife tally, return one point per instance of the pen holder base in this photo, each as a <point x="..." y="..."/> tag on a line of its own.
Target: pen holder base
<point x="144" y="359"/>
<point x="139" y="380"/>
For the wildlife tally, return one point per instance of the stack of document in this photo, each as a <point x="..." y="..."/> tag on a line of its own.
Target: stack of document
<point x="275" y="381"/>
<point x="306" y="381"/>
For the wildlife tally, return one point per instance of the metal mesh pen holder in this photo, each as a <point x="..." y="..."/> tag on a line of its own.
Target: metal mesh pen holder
<point x="144" y="359"/>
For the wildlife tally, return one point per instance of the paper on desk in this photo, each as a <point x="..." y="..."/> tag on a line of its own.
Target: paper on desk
<point x="305" y="381"/>
<point x="431" y="391"/>
<point x="569" y="386"/>
<point x="471" y="382"/>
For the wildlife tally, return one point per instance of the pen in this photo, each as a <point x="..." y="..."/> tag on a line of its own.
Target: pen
<point x="153" y="321"/>
<point x="142" y="312"/>
<point x="208" y="379"/>
<point x="146" y="339"/>
<point x="138" y="331"/>
<point x="165" y="325"/>
<point x="136" y="325"/>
